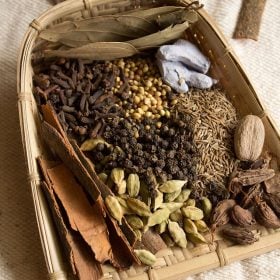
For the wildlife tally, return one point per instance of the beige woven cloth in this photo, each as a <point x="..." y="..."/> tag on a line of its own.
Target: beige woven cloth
<point x="20" y="250"/>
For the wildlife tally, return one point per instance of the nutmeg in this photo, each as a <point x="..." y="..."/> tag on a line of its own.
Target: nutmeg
<point x="249" y="138"/>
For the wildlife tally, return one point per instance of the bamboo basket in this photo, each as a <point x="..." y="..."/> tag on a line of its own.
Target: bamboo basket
<point x="172" y="263"/>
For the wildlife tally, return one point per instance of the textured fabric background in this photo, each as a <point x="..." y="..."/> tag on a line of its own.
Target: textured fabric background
<point x="20" y="250"/>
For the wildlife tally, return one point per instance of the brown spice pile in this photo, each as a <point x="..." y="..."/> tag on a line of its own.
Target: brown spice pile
<point x="214" y="118"/>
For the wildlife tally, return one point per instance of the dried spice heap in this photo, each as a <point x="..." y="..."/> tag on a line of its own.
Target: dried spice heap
<point x="161" y="159"/>
<point x="214" y="118"/>
<point x="253" y="187"/>
<point x="136" y="165"/>
<point x="127" y="104"/>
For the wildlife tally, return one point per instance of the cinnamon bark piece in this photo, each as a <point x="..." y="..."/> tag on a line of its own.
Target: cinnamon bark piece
<point x="81" y="259"/>
<point x="62" y="147"/>
<point x="249" y="21"/>
<point x="86" y="219"/>
<point x="51" y="118"/>
<point x="104" y="190"/>
<point x="66" y="153"/>
<point x="122" y="252"/>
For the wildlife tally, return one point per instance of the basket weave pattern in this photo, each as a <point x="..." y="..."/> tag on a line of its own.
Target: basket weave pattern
<point x="172" y="263"/>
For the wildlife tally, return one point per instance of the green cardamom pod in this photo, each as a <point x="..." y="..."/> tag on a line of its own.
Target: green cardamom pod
<point x="183" y="196"/>
<point x="133" y="185"/>
<point x="161" y="228"/>
<point x="122" y="201"/>
<point x="172" y="206"/>
<point x="206" y="206"/>
<point x="145" y="194"/>
<point x="192" y="213"/>
<point x="177" y="234"/>
<point x="158" y="217"/>
<point x="138" y="207"/>
<point x="196" y="238"/>
<point x="176" y="216"/>
<point x="138" y="234"/>
<point x="172" y="186"/>
<point x="189" y="226"/>
<point x="134" y="221"/>
<point x="117" y="175"/>
<point x="146" y="257"/>
<point x="190" y="202"/>
<point x="201" y="226"/>
<point x="169" y="197"/>
<point x="121" y="187"/>
<point x="158" y="200"/>
<point x="90" y="144"/>
<point x="103" y="177"/>
<point x="114" y="208"/>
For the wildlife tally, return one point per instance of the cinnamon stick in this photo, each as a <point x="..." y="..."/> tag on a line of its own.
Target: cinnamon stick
<point x="249" y="21"/>
<point x="86" y="219"/>
<point x="68" y="156"/>
<point x="82" y="261"/>
<point x="84" y="172"/>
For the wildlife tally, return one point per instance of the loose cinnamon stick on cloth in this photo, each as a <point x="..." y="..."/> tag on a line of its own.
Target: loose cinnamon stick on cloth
<point x="249" y="21"/>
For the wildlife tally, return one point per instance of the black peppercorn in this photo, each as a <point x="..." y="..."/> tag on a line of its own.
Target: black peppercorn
<point x="100" y="147"/>
<point x="171" y="132"/>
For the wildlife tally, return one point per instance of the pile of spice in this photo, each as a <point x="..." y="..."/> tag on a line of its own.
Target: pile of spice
<point x="144" y="146"/>
<point x="127" y="122"/>
<point x="215" y="119"/>
<point x="164" y="157"/>
<point x="127" y="104"/>
<point x="253" y="187"/>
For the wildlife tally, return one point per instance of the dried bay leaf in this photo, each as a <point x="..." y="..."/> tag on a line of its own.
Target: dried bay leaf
<point x="96" y="51"/>
<point x="161" y="37"/>
<point x="177" y="17"/>
<point x="127" y="26"/>
<point x="153" y="13"/>
<point x="82" y="37"/>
